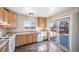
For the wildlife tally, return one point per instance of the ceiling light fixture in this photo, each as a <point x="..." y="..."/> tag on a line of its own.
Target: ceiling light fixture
<point x="31" y="14"/>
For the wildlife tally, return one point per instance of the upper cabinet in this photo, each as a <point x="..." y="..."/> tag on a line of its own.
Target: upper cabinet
<point x="6" y="15"/>
<point x="42" y="22"/>
<point x="12" y="19"/>
<point x="2" y="14"/>
<point x="7" y="18"/>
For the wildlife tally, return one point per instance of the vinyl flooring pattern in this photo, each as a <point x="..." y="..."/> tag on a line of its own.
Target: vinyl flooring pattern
<point x="44" y="46"/>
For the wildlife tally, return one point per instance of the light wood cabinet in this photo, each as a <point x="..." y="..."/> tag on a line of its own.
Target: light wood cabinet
<point x="9" y="17"/>
<point x="34" y="37"/>
<point x="29" y="38"/>
<point x="12" y="19"/>
<point x="2" y="14"/>
<point x="17" y="42"/>
<point x="20" y="40"/>
<point x="42" y="22"/>
<point x="6" y="16"/>
<point x="25" y="39"/>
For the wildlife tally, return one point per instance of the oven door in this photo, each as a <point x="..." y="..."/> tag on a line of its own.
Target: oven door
<point x="11" y="45"/>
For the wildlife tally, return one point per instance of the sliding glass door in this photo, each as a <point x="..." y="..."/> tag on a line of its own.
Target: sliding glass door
<point x="60" y="32"/>
<point x="54" y="31"/>
<point x="64" y="32"/>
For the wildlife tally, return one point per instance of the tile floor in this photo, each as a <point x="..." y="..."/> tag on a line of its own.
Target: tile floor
<point x="45" y="46"/>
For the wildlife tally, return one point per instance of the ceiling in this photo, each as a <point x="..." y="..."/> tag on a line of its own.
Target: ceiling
<point x="38" y="11"/>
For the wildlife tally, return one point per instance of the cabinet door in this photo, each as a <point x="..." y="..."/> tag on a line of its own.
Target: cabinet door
<point x="29" y="38"/>
<point x="24" y="40"/>
<point x="6" y="16"/>
<point x="17" y="41"/>
<point x="34" y="37"/>
<point x="42" y="22"/>
<point x="1" y="14"/>
<point x="21" y="40"/>
<point x="12" y="19"/>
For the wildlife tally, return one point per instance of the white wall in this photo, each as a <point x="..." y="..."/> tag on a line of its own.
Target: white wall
<point x="64" y="13"/>
<point x="75" y="32"/>
<point x="20" y="23"/>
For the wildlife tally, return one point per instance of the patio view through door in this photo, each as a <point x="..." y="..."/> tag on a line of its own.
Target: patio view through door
<point x="60" y="32"/>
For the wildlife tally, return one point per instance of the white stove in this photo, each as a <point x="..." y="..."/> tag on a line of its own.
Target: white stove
<point x="11" y="42"/>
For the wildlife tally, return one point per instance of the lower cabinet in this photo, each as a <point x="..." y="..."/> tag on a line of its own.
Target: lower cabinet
<point x="25" y="39"/>
<point x="20" y="40"/>
<point x="17" y="43"/>
<point x="29" y="36"/>
<point x="34" y="38"/>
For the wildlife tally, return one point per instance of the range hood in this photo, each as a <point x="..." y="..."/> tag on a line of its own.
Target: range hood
<point x="4" y="24"/>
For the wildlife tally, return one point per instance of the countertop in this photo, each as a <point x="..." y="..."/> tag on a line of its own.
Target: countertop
<point x="3" y="42"/>
<point x="18" y="33"/>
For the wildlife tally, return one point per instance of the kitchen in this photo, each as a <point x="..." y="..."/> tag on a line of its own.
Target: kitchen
<point x="11" y="26"/>
<point x="38" y="29"/>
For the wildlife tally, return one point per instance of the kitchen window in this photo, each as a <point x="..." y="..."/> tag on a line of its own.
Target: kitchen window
<point x="29" y="24"/>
